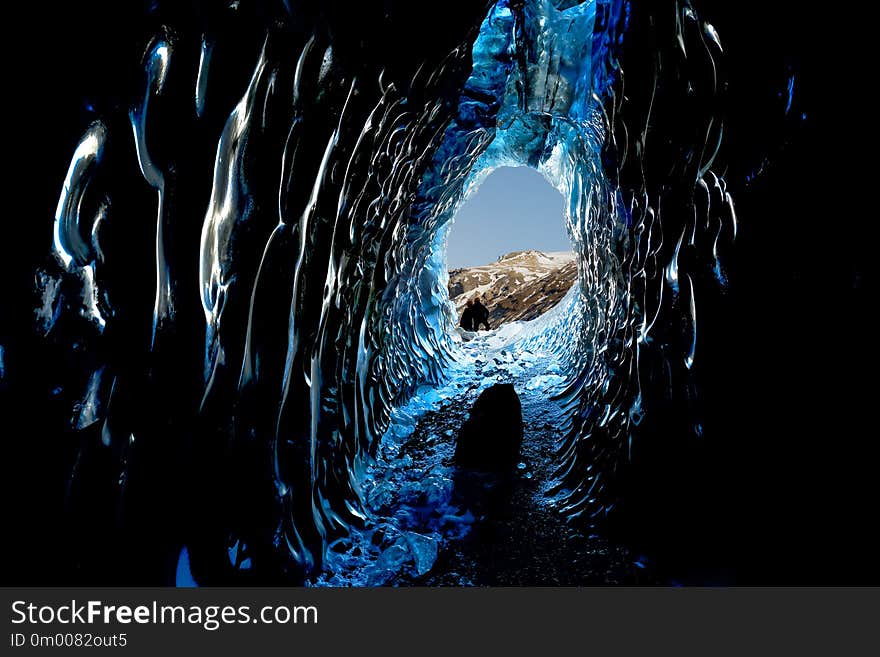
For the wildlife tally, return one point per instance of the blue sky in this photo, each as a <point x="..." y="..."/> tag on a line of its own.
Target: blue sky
<point x="514" y="209"/>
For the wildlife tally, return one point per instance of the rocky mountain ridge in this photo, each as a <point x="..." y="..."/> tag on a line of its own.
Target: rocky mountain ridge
<point x="518" y="286"/>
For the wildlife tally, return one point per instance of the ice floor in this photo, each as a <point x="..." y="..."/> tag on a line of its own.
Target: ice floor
<point x="418" y="532"/>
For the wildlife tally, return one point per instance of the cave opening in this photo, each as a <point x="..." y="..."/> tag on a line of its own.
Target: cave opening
<point x="508" y="246"/>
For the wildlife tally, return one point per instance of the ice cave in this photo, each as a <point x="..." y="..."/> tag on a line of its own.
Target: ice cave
<point x="248" y="279"/>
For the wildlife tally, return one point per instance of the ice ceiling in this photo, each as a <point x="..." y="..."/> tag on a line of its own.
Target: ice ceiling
<point x="241" y="337"/>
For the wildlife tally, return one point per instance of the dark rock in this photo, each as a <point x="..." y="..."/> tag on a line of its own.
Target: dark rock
<point x="491" y="438"/>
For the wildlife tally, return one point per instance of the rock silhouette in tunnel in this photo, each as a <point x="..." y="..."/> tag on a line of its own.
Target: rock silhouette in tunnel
<point x="491" y="437"/>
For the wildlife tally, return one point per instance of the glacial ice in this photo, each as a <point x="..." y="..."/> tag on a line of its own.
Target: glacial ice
<point x="545" y="382"/>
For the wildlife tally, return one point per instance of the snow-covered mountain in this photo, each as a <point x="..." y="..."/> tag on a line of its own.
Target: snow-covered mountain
<point x="519" y="286"/>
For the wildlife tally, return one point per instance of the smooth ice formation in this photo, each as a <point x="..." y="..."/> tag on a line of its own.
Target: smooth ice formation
<point x="294" y="223"/>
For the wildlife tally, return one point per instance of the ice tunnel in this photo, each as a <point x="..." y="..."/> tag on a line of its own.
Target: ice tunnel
<point x="287" y="177"/>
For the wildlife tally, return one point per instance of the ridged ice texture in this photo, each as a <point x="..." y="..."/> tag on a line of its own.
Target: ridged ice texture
<point x="320" y="263"/>
<point x="549" y="119"/>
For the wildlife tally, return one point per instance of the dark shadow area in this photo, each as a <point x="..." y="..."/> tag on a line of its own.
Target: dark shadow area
<point x="775" y="477"/>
